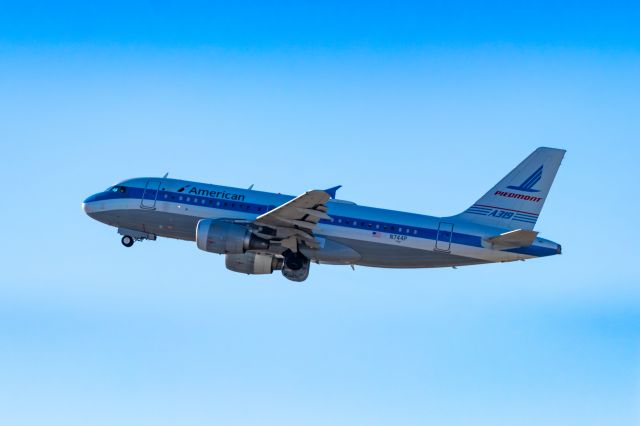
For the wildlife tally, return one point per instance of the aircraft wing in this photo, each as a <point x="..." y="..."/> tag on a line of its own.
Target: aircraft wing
<point x="295" y="220"/>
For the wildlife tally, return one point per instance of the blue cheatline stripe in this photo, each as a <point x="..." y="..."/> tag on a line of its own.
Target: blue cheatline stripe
<point x="526" y="221"/>
<point x="478" y="213"/>
<point x="343" y="221"/>
<point x="526" y="218"/>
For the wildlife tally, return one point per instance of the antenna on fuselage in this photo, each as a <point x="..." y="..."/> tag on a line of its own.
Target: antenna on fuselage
<point x="250" y="187"/>
<point x="165" y="175"/>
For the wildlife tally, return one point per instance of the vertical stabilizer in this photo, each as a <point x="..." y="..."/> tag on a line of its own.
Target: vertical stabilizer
<point x="516" y="201"/>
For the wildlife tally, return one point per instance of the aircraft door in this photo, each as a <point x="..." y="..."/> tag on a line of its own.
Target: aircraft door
<point x="150" y="194"/>
<point x="445" y="233"/>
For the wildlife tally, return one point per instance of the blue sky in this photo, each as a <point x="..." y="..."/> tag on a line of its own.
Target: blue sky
<point x="413" y="107"/>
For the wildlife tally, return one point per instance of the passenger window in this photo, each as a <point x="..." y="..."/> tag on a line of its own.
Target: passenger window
<point x="415" y="231"/>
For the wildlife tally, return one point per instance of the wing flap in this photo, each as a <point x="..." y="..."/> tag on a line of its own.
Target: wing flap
<point x="295" y="220"/>
<point x="317" y="213"/>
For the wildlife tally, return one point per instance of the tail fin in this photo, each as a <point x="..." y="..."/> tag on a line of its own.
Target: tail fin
<point x="516" y="201"/>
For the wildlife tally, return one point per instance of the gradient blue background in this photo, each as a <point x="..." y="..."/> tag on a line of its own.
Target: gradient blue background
<point x="412" y="107"/>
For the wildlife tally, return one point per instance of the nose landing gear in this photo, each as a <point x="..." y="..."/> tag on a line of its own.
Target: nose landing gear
<point x="129" y="236"/>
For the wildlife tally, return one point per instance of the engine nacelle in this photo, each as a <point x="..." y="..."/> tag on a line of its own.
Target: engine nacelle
<point x="252" y="263"/>
<point x="216" y="236"/>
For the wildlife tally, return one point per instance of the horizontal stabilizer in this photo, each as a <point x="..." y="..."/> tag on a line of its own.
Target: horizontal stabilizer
<point x="513" y="239"/>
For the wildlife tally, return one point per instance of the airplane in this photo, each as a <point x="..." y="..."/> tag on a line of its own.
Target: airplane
<point x="262" y="232"/>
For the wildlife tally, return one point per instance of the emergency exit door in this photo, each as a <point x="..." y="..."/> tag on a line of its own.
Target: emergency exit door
<point x="445" y="233"/>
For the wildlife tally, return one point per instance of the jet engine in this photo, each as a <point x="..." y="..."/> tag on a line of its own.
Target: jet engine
<point x="221" y="237"/>
<point x="253" y="263"/>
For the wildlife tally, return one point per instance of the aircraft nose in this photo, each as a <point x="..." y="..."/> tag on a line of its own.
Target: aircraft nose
<point x="86" y="208"/>
<point x="87" y="204"/>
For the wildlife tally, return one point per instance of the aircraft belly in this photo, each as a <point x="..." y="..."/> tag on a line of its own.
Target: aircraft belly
<point x="162" y="224"/>
<point x="391" y="256"/>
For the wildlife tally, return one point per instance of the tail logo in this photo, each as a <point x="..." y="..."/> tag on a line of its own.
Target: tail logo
<point x="527" y="185"/>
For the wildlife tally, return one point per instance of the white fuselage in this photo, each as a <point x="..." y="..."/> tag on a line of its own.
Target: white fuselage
<point x="382" y="238"/>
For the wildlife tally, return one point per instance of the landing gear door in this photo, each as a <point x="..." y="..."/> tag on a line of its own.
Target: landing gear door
<point x="150" y="195"/>
<point x="445" y="233"/>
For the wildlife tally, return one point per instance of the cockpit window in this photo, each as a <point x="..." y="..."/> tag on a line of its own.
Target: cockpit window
<point x="118" y="189"/>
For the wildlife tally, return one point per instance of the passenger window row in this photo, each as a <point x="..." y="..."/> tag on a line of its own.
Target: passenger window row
<point x="374" y="225"/>
<point x="257" y="208"/>
<point x="217" y="203"/>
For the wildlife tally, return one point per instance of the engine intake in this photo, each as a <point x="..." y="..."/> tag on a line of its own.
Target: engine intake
<point x="216" y="236"/>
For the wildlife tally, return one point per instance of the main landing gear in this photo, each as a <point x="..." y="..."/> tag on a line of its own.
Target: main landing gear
<point x="296" y="266"/>
<point x="129" y="236"/>
<point x="127" y="241"/>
